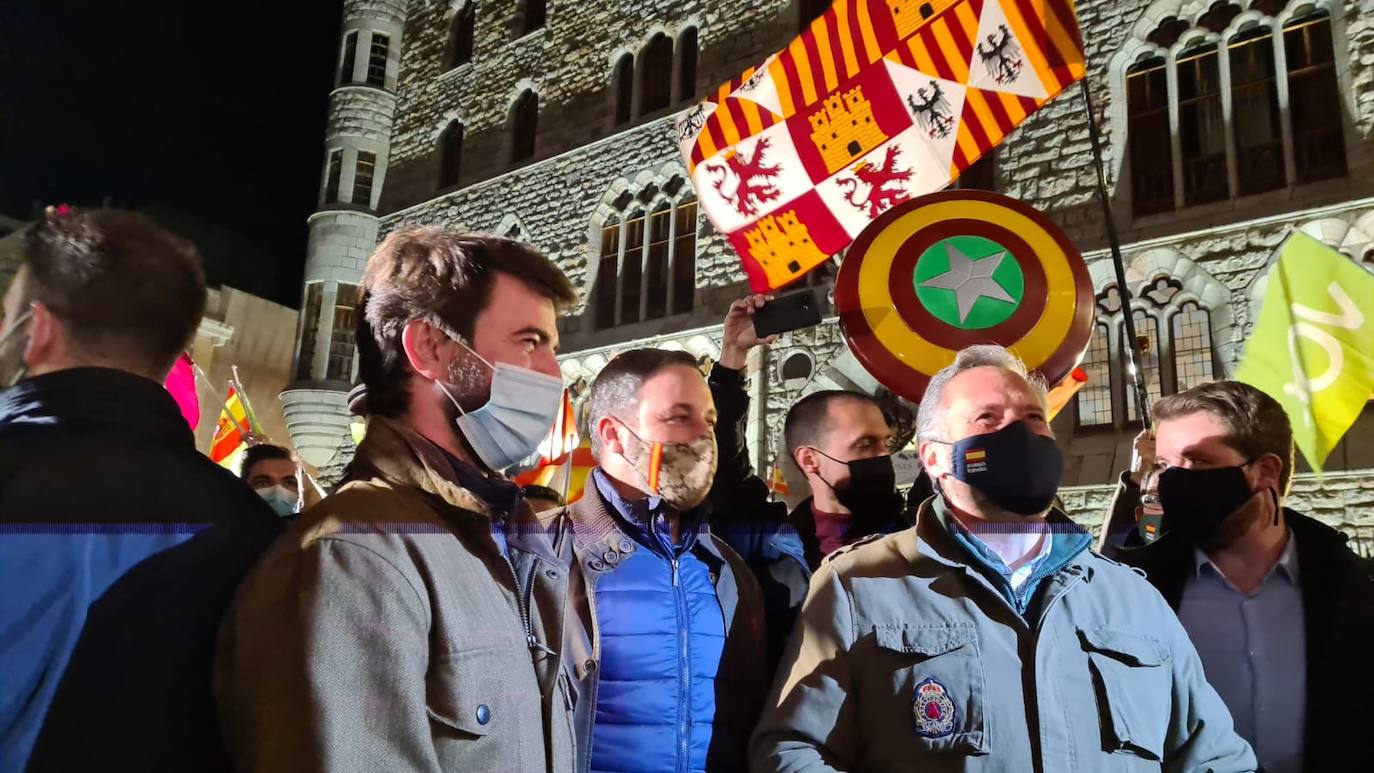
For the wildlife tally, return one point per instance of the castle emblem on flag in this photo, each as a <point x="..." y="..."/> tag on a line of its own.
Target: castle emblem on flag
<point x="775" y="240"/>
<point x="844" y="129"/>
<point x="879" y="197"/>
<point x="933" y="112"/>
<point x="932" y="712"/>
<point x="1002" y="56"/>
<point x="735" y="179"/>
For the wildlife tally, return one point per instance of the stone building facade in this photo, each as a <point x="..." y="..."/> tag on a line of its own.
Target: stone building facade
<point x="553" y="122"/>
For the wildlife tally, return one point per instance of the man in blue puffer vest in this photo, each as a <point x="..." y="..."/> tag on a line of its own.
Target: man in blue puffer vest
<point x="669" y="661"/>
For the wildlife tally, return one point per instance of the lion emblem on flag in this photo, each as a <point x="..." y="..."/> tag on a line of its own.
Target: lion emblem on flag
<point x="738" y="175"/>
<point x="874" y="180"/>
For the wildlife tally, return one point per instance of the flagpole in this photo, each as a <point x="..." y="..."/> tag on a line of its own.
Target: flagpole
<point x="201" y="376"/>
<point x="247" y="404"/>
<point x="1134" y="354"/>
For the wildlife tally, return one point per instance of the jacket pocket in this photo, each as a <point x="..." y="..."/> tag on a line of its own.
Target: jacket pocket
<point x="941" y="681"/>
<point x="1134" y="690"/>
<point x="465" y="692"/>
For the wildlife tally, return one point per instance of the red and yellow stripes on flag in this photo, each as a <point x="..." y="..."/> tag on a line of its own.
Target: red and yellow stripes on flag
<point x="876" y="102"/>
<point x="232" y="428"/>
<point x="777" y="483"/>
<point x="655" y="464"/>
<point x="568" y="476"/>
<point x="937" y="37"/>
<point x="563" y="436"/>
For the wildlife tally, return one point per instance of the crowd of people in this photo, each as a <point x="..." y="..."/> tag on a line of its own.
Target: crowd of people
<point x="430" y="615"/>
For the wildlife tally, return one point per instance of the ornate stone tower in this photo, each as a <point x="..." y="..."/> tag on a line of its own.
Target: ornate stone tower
<point x="343" y="231"/>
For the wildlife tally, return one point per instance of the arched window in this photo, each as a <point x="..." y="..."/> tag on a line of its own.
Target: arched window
<point x="310" y="329"/>
<point x="1282" y="127"/>
<point x="533" y="15"/>
<point x="647" y="266"/>
<point x="1190" y="338"/>
<point x="1146" y="329"/>
<point x="363" y="174"/>
<point x="684" y="256"/>
<point x="1202" y="128"/>
<point x="349" y="59"/>
<point x="450" y="154"/>
<point x="1255" y="96"/>
<point x="656" y="270"/>
<point x="460" y="35"/>
<point x="524" y="125"/>
<point x="376" y="59"/>
<point x="1095" y="397"/>
<point x="1314" y="100"/>
<point x="1147" y="94"/>
<point x="333" y="171"/>
<point x="341" y="337"/>
<point x="687" y="64"/>
<point x="656" y="75"/>
<point x="624" y="85"/>
<point x="632" y="269"/>
<point x="607" y="274"/>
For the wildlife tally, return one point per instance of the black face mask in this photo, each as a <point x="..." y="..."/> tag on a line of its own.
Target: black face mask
<point x="1197" y="502"/>
<point x="872" y="487"/>
<point x="1015" y="468"/>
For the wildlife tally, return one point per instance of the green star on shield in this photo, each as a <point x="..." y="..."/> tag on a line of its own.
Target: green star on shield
<point x="969" y="282"/>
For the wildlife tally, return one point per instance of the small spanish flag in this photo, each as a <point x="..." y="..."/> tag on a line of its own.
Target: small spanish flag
<point x="568" y="476"/>
<point x="231" y="430"/>
<point x="1063" y="392"/>
<point x="776" y="482"/>
<point x="975" y="455"/>
<point x="655" y="464"/>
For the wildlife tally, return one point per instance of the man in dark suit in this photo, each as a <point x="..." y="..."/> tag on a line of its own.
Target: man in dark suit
<point x="1279" y="608"/>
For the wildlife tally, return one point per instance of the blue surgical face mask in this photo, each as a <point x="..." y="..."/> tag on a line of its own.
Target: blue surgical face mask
<point x="516" y="417"/>
<point x="283" y="502"/>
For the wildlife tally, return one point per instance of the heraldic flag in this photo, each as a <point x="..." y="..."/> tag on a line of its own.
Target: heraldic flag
<point x="232" y="429"/>
<point x="878" y="101"/>
<point x="1311" y="348"/>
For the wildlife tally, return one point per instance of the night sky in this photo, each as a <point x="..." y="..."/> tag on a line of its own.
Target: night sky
<point x="208" y="116"/>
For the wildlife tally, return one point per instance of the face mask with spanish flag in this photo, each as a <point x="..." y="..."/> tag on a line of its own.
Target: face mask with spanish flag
<point x="680" y="473"/>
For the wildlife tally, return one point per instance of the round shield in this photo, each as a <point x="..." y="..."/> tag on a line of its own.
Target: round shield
<point x="952" y="269"/>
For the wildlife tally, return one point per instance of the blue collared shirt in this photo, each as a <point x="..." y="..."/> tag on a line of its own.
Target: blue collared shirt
<point x="1062" y="542"/>
<point x="1254" y="652"/>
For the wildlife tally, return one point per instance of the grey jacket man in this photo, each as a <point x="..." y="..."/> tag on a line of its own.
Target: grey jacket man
<point x="388" y="631"/>
<point x="906" y="657"/>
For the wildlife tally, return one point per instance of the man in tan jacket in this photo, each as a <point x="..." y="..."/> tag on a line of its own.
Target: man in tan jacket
<point x="989" y="637"/>
<point x="411" y="620"/>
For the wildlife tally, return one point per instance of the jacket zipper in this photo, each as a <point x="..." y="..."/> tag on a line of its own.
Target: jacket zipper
<point x="684" y="700"/>
<point x="684" y="704"/>
<point x="522" y="595"/>
<point x="1033" y="692"/>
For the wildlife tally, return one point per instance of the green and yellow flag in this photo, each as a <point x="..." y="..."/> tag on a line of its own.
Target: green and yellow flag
<point x="1313" y="346"/>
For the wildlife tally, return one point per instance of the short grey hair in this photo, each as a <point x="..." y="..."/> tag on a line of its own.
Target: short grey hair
<point x="982" y="355"/>
<point x="616" y="388"/>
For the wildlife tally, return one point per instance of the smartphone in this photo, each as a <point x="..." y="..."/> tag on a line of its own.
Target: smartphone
<point x="788" y="312"/>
